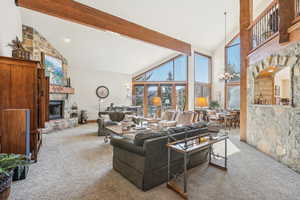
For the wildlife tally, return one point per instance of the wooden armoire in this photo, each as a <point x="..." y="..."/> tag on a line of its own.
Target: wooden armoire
<point x="23" y="85"/>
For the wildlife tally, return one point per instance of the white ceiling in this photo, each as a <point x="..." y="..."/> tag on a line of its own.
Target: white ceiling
<point x="200" y="23"/>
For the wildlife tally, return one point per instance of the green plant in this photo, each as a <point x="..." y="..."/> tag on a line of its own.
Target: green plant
<point x="10" y="161"/>
<point x="214" y="104"/>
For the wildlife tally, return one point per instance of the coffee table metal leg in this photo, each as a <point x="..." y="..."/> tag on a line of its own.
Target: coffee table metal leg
<point x="185" y="173"/>
<point x="225" y="153"/>
<point x="209" y="151"/>
<point x="169" y="158"/>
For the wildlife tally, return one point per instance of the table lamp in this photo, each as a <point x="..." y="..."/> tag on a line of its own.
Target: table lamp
<point x="202" y="102"/>
<point x="156" y="101"/>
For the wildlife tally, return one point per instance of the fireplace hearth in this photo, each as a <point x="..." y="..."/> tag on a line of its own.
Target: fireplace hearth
<point x="56" y="109"/>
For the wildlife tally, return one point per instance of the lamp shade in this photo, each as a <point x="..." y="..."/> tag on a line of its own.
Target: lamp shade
<point x="156" y="101"/>
<point x="201" y="102"/>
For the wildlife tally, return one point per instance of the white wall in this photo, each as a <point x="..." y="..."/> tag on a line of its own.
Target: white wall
<point x="11" y="25"/>
<point x="85" y="82"/>
<point x="259" y="6"/>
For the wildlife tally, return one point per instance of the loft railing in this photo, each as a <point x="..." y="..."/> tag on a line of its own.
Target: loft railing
<point x="265" y="26"/>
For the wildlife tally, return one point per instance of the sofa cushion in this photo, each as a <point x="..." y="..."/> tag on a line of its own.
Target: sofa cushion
<point x="198" y="125"/>
<point x="125" y="143"/>
<point x="179" y="129"/>
<point x="142" y="136"/>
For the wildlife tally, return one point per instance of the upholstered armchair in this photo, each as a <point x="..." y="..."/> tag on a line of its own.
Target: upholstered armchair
<point x="114" y="118"/>
<point x="185" y="118"/>
<point x="169" y="115"/>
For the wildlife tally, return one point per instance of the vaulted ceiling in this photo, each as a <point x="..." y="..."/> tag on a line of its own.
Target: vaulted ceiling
<point x="200" y="23"/>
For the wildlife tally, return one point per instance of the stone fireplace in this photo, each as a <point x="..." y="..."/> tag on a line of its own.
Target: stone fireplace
<point x="275" y="128"/>
<point x="60" y="103"/>
<point x="61" y="113"/>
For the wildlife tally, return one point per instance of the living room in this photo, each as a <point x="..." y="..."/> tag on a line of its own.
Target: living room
<point x="149" y="100"/>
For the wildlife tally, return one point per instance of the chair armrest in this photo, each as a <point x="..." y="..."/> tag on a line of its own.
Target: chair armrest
<point x="126" y="144"/>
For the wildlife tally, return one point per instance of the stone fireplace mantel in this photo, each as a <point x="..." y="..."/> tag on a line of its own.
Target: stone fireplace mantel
<point x="57" y="89"/>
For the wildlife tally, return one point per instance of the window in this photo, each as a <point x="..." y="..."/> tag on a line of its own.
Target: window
<point x="180" y="97"/>
<point x="202" y="68"/>
<point x="180" y="68"/>
<point x="233" y="58"/>
<point x="166" y="97"/>
<point x="202" y="76"/>
<point x="233" y="94"/>
<point x="167" y="81"/>
<point x="172" y="70"/>
<point x="163" y="73"/>
<point x="233" y="65"/>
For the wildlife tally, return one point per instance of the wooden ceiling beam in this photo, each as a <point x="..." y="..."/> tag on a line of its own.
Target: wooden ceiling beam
<point x="79" y="13"/>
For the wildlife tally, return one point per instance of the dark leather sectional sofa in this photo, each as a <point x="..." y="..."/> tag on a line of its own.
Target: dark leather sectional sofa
<point x="143" y="161"/>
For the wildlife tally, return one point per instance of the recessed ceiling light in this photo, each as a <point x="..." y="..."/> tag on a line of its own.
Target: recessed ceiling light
<point x="67" y="40"/>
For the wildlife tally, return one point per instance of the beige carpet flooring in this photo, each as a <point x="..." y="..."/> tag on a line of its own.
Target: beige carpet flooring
<point x="75" y="164"/>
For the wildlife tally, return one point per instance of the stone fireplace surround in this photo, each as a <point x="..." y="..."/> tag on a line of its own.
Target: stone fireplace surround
<point x="66" y="121"/>
<point x="36" y="43"/>
<point x="275" y="129"/>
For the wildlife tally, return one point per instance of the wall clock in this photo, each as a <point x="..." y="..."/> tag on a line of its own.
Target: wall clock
<point x="102" y="92"/>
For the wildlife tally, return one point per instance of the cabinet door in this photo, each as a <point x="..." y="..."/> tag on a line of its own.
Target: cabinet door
<point x="15" y="138"/>
<point x="42" y="90"/>
<point x="4" y="90"/>
<point x="47" y="83"/>
<point x="24" y="91"/>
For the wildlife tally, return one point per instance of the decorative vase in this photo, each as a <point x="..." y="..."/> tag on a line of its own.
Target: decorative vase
<point x="5" y="183"/>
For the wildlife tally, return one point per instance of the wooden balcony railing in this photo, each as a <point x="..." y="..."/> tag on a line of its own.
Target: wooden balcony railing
<point x="266" y="26"/>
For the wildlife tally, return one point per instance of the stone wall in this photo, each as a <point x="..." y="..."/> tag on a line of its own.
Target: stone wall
<point x="275" y="129"/>
<point x="34" y="42"/>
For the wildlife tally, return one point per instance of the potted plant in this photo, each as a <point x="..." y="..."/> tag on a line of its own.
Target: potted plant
<point x="8" y="162"/>
<point x="214" y="105"/>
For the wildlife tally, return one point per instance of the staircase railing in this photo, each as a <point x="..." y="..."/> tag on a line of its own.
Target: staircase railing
<point x="266" y="26"/>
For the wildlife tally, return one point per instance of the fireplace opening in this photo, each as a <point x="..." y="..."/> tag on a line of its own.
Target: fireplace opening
<point x="56" y="110"/>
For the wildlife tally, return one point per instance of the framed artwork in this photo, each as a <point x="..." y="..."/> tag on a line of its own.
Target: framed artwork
<point x="54" y="69"/>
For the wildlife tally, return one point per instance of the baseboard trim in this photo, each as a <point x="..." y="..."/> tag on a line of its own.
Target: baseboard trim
<point x="92" y="121"/>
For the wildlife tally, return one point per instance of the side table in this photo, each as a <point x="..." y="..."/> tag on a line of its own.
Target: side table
<point x="188" y="146"/>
